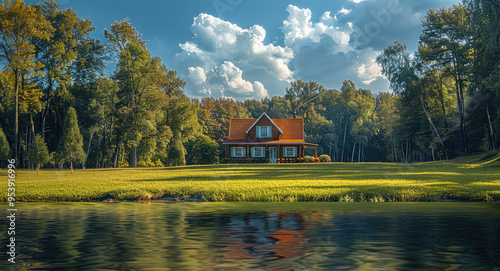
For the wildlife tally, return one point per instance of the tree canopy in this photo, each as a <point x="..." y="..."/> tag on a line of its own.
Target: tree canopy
<point x="444" y="98"/>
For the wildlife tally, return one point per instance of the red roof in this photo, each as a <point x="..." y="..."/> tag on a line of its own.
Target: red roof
<point x="293" y="131"/>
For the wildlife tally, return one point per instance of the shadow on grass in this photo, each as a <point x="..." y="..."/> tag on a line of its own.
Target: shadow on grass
<point x="314" y="172"/>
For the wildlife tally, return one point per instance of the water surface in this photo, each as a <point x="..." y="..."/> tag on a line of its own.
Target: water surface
<point x="256" y="236"/>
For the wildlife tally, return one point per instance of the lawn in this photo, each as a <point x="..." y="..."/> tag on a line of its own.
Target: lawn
<point x="475" y="178"/>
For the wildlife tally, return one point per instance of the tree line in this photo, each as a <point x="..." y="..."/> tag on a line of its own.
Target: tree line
<point x="57" y="106"/>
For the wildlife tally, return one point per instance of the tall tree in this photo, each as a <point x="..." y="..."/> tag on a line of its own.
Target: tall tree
<point x="4" y="147"/>
<point x="140" y="79"/>
<point x="38" y="153"/>
<point x="69" y="56"/>
<point x="176" y="154"/>
<point x="485" y="87"/>
<point x="402" y="74"/>
<point x="445" y="42"/>
<point x="71" y="143"/>
<point x="19" y="26"/>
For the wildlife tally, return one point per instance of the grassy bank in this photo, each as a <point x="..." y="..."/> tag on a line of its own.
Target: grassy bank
<point x="467" y="179"/>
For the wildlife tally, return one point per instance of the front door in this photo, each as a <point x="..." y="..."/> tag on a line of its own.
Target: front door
<point x="273" y="154"/>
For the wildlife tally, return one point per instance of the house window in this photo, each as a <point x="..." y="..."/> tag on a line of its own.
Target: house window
<point x="258" y="152"/>
<point x="263" y="131"/>
<point x="238" y="152"/>
<point x="290" y="152"/>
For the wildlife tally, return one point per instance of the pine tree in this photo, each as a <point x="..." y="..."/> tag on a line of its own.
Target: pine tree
<point x="71" y="143"/>
<point x="4" y="147"/>
<point x="38" y="153"/>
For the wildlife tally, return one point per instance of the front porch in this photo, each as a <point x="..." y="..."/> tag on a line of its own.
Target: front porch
<point x="251" y="153"/>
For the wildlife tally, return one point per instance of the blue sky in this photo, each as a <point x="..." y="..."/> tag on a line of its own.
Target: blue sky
<point x="251" y="49"/>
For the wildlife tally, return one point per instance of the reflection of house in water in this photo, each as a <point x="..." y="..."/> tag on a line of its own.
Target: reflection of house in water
<point x="275" y="236"/>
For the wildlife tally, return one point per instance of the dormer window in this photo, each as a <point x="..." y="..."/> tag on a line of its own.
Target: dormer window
<point x="263" y="131"/>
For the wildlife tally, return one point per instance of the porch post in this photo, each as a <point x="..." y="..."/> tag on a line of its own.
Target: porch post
<point x="227" y="151"/>
<point x="248" y="151"/>
<point x="315" y="152"/>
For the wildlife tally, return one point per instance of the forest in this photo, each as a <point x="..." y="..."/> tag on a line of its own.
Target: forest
<point x="57" y="106"/>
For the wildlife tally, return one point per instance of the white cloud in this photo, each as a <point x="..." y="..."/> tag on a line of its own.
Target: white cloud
<point x="300" y="31"/>
<point x="344" y="11"/>
<point x="197" y="75"/>
<point x="370" y="70"/>
<point x="234" y="83"/>
<point x="260" y="91"/>
<point x="357" y="1"/>
<point x="231" y="57"/>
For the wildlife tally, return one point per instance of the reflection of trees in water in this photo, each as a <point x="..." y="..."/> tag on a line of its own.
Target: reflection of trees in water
<point x="136" y="236"/>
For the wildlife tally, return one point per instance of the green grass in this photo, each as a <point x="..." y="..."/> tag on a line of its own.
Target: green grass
<point x="475" y="178"/>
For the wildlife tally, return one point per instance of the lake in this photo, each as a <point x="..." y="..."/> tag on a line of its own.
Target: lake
<point x="255" y="236"/>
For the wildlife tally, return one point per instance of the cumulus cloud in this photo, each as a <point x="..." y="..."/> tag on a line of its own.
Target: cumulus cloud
<point x="371" y="70"/>
<point x="197" y="75"/>
<point x="222" y="59"/>
<point x="300" y="31"/>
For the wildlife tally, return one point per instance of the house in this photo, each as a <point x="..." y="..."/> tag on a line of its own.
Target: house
<point x="266" y="138"/>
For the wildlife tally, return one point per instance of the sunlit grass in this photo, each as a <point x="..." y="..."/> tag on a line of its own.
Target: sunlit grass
<point x="260" y="182"/>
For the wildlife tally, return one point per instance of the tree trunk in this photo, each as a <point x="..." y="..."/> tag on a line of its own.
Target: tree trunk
<point x="115" y="158"/>
<point x="394" y="151"/>
<point x="16" y="118"/>
<point x="38" y="168"/>
<point x="32" y="128"/>
<point x="26" y="145"/>
<point x="133" y="157"/>
<point x="462" y="117"/>
<point x="98" y="153"/>
<point x="458" y="87"/>
<point x="492" y="132"/>
<point x="45" y="111"/>
<point x="88" y="149"/>
<point x="353" y="149"/>
<point x="359" y="152"/>
<point x="71" y="162"/>
<point x="363" y="153"/>
<point x="104" y="149"/>
<point x="403" y="153"/>
<point x="343" y="145"/>
<point x="434" y="130"/>
<point x="432" y="149"/>
<point x="407" y="150"/>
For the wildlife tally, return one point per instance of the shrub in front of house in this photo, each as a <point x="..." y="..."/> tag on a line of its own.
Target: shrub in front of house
<point x="324" y="158"/>
<point x="308" y="159"/>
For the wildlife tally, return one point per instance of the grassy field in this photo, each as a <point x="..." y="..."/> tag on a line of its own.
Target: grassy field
<point x="474" y="178"/>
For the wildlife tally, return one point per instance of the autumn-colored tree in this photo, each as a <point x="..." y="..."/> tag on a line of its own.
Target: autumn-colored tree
<point x="19" y="26"/>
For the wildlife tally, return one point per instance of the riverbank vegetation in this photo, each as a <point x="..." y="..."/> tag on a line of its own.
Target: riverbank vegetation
<point x="472" y="178"/>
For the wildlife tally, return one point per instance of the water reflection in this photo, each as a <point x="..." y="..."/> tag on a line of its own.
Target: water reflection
<point x="243" y="236"/>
